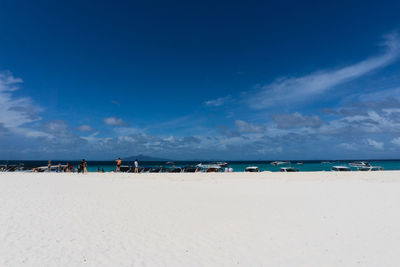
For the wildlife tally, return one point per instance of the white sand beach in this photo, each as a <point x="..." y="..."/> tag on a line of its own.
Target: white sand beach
<point x="237" y="219"/>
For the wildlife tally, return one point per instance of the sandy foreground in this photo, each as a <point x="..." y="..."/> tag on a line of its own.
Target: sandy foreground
<point x="237" y="219"/>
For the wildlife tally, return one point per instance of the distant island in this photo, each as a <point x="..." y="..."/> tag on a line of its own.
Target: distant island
<point x="144" y="158"/>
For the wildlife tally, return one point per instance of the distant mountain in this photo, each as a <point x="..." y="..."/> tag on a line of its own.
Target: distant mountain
<point x="143" y="158"/>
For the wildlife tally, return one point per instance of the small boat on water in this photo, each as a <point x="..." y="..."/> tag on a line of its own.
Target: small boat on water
<point x="371" y="168"/>
<point x="214" y="169"/>
<point x="220" y="163"/>
<point x="192" y="169"/>
<point x="359" y="164"/>
<point x="7" y="168"/>
<point x="159" y="170"/>
<point x="212" y="164"/>
<point x="252" y="169"/>
<point x="126" y="168"/>
<point x="12" y="168"/>
<point x="205" y="166"/>
<point x="276" y="163"/>
<point x="341" y="169"/>
<point x="53" y="168"/>
<point x="175" y="170"/>
<point x="289" y="169"/>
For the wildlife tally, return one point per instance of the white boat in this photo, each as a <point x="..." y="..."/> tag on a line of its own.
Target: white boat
<point x="289" y="169"/>
<point x="210" y="167"/>
<point x="12" y="168"/>
<point x="359" y="164"/>
<point x="371" y="168"/>
<point x="220" y="163"/>
<point x="276" y="163"/>
<point x="252" y="169"/>
<point x="53" y="168"/>
<point x="206" y="166"/>
<point x="341" y="169"/>
<point x="214" y="168"/>
<point x="192" y="169"/>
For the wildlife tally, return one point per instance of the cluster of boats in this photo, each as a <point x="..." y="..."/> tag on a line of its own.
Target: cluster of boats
<point x="358" y="165"/>
<point x="12" y="168"/>
<point x="162" y="169"/>
<point x="208" y="167"/>
<point x="283" y="169"/>
<point x="276" y="163"/>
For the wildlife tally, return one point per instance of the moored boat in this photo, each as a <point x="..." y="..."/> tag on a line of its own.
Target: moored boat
<point x="359" y="164"/>
<point x="220" y="163"/>
<point x="192" y="169"/>
<point x="341" y="169"/>
<point x="12" y="168"/>
<point x="53" y="168"/>
<point x="371" y="168"/>
<point x="276" y="163"/>
<point x="252" y="169"/>
<point x="175" y="170"/>
<point x="289" y="169"/>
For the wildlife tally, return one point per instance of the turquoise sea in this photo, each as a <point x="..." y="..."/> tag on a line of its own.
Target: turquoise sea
<point x="238" y="166"/>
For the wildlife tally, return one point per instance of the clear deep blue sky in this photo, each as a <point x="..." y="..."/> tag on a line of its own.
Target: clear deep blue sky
<point x="198" y="80"/>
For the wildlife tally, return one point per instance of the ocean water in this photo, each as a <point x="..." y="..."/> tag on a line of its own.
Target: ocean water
<point x="238" y="166"/>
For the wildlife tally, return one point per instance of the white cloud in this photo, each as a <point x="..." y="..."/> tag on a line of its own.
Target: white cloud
<point x="396" y="141"/>
<point x="246" y="127"/>
<point x="375" y="144"/>
<point x="287" y="121"/>
<point x="96" y="141"/>
<point x="14" y="111"/>
<point x="381" y="94"/>
<point x="348" y="146"/>
<point x="85" y="128"/>
<point x="30" y="133"/>
<point x="114" y="121"/>
<point x="290" y="90"/>
<point x="391" y="110"/>
<point x="125" y="130"/>
<point x="217" y="102"/>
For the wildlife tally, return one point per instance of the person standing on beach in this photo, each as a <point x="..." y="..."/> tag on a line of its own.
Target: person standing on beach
<point x="80" y="168"/>
<point x="49" y="166"/>
<point x="136" y="166"/>
<point x="119" y="162"/>
<point x="83" y="166"/>
<point x="71" y="168"/>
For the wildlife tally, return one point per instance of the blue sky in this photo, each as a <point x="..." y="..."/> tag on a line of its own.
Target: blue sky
<point x="198" y="80"/>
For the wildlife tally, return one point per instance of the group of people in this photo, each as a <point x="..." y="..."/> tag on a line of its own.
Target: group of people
<point x="60" y="168"/>
<point x="82" y="168"/>
<point x="119" y="162"/>
<point x="228" y="169"/>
